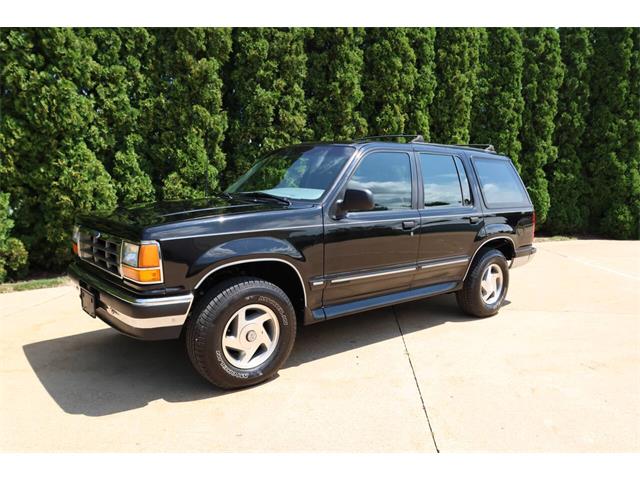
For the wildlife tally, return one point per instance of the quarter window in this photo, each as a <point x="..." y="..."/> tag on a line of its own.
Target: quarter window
<point x="388" y="176"/>
<point x="441" y="182"/>
<point x="500" y="183"/>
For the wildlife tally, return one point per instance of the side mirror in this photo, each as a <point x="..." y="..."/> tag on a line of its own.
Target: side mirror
<point x="355" y="200"/>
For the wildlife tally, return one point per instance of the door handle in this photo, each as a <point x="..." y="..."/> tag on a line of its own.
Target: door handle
<point x="474" y="219"/>
<point x="408" y="224"/>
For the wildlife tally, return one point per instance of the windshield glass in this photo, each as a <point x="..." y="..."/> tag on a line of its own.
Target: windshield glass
<point x="303" y="172"/>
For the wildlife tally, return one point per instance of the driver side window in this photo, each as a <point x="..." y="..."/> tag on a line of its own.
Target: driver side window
<point x="388" y="176"/>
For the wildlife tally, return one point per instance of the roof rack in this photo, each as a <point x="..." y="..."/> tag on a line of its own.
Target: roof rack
<point x="487" y="147"/>
<point x="414" y="138"/>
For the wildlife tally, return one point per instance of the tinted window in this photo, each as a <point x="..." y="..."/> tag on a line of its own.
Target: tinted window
<point x="302" y="172"/>
<point x="500" y="183"/>
<point x="388" y="176"/>
<point x="441" y="182"/>
<point x="464" y="182"/>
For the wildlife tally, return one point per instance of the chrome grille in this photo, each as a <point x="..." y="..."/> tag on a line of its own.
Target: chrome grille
<point x="101" y="250"/>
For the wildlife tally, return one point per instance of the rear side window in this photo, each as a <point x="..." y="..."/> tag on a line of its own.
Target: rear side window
<point x="500" y="183"/>
<point x="388" y="176"/>
<point x="443" y="186"/>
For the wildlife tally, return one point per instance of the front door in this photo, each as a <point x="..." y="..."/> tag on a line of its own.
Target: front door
<point x="373" y="252"/>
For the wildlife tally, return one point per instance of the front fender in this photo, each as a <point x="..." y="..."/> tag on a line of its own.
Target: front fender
<point x="244" y="248"/>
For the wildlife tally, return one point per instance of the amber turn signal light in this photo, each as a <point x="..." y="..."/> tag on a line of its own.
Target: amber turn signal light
<point x="148" y="256"/>
<point x="148" y="275"/>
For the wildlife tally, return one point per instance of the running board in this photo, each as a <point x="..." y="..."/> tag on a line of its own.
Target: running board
<point x="335" y="311"/>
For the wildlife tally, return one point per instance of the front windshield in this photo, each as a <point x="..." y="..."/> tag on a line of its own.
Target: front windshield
<point x="302" y="172"/>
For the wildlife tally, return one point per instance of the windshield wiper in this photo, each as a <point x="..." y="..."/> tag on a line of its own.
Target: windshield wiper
<point x="266" y="196"/>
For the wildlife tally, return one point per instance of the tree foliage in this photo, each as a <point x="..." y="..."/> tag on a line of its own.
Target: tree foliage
<point x="333" y="85"/>
<point x="498" y="103"/>
<point x="265" y="93"/>
<point x="457" y="56"/>
<point x="612" y="137"/>
<point x="567" y="186"/>
<point x="13" y="255"/>
<point x="542" y="78"/>
<point x="389" y="79"/>
<point x="91" y="118"/>
<point x="423" y="44"/>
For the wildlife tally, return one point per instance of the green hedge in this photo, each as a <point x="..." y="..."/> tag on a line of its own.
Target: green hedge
<point x="94" y="118"/>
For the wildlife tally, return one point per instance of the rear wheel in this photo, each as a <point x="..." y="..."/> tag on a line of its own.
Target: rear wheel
<point x="241" y="333"/>
<point x="485" y="287"/>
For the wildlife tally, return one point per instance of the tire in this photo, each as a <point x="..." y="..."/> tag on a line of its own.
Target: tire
<point x="470" y="297"/>
<point x="216" y="328"/>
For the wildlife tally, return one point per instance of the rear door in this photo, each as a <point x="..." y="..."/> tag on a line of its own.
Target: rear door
<point x="373" y="252"/>
<point x="450" y="217"/>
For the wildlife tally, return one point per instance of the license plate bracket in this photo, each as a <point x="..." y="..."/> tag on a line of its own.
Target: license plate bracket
<point x="88" y="301"/>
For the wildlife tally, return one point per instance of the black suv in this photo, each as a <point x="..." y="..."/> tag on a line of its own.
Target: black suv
<point x="311" y="232"/>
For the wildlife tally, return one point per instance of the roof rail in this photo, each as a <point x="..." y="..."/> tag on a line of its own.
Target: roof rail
<point x="487" y="147"/>
<point x="414" y="138"/>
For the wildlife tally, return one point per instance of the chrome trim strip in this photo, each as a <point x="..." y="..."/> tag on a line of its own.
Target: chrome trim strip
<point x="148" y="323"/>
<point x="371" y="275"/>
<point x="253" y="260"/>
<point x="480" y="246"/>
<point x="337" y="223"/>
<point x="317" y="284"/>
<point x="443" y="263"/>
<point x="298" y="227"/>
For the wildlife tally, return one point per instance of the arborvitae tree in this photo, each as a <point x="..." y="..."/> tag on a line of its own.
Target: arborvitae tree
<point x="13" y="255"/>
<point x="541" y="80"/>
<point x="457" y="52"/>
<point x="333" y="86"/>
<point x="183" y="120"/>
<point x="46" y="124"/>
<point x="423" y="44"/>
<point x="633" y="135"/>
<point x="265" y="95"/>
<point x="389" y="79"/>
<point x="497" y="106"/>
<point x="121" y="84"/>
<point x="567" y="184"/>
<point x="612" y="170"/>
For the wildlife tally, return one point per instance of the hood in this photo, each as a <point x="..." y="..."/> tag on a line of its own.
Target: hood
<point x="131" y="222"/>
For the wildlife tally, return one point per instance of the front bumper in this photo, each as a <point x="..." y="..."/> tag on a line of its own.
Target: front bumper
<point x="146" y="318"/>
<point x="523" y="255"/>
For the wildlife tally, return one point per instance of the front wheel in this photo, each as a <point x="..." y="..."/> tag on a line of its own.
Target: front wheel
<point x="485" y="287"/>
<point x="241" y="333"/>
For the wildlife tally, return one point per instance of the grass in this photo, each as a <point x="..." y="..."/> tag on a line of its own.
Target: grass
<point x="554" y="238"/>
<point x="33" y="284"/>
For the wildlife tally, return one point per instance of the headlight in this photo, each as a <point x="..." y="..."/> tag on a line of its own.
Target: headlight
<point x="130" y="254"/>
<point x="141" y="263"/>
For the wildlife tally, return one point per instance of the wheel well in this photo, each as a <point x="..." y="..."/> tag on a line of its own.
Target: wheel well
<point x="502" y="244"/>
<point x="281" y="274"/>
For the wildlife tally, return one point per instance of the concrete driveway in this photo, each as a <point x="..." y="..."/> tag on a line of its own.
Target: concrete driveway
<point x="557" y="370"/>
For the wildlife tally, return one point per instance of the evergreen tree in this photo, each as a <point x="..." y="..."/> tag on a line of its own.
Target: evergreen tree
<point x="46" y="126"/>
<point x="498" y="103"/>
<point x="184" y="121"/>
<point x="567" y="186"/>
<point x="612" y="165"/>
<point x="333" y="86"/>
<point x="541" y="80"/>
<point x="265" y="95"/>
<point x="13" y="255"/>
<point x="423" y="44"/>
<point x="389" y="78"/>
<point x="121" y="84"/>
<point x="457" y="55"/>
